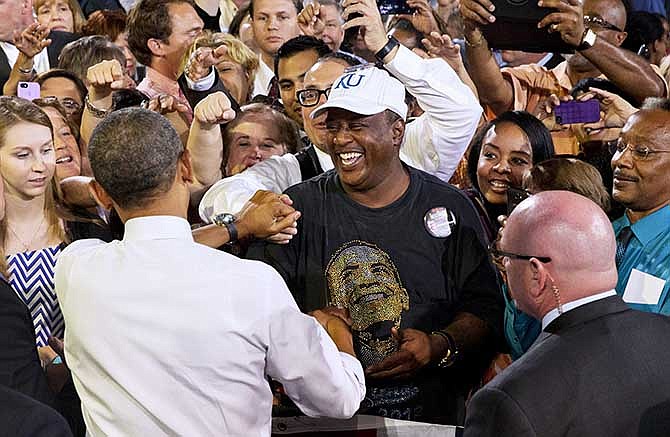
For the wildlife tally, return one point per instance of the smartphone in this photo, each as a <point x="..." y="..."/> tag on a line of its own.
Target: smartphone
<point x="28" y="90"/>
<point x="514" y="197"/>
<point x="515" y="28"/>
<point x="388" y="7"/>
<point x="578" y="112"/>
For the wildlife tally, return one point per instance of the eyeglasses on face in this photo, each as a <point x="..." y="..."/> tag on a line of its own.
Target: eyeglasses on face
<point x="639" y="153"/>
<point x="594" y="20"/>
<point x="311" y="97"/>
<point x="70" y="104"/>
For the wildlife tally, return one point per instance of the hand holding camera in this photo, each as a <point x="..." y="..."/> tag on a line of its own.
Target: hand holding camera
<point x="368" y="19"/>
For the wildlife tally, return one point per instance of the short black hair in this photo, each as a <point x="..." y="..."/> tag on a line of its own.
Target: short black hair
<point x="642" y="28"/>
<point x="301" y="43"/>
<point x="134" y="155"/>
<point x="296" y="3"/>
<point x="65" y="74"/>
<point x="538" y="135"/>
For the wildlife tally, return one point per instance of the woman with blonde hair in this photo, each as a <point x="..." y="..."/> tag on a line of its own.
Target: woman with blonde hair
<point x="237" y="65"/>
<point x="62" y="15"/>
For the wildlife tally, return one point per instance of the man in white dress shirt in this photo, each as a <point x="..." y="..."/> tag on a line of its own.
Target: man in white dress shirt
<point x="166" y="336"/>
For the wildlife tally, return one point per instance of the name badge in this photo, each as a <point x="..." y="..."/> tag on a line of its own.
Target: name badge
<point x="643" y="288"/>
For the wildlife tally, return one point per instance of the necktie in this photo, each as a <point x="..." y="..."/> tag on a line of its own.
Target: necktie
<point x="622" y="241"/>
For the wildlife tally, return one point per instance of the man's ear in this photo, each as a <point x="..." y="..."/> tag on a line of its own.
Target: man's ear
<point x="185" y="169"/>
<point x="620" y="38"/>
<point x="155" y="46"/>
<point x="398" y="132"/>
<point x="538" y="280"/>
<point x="100" y="195"/>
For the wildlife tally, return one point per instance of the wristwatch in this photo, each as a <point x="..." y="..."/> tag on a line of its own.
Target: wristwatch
<point x="388" y="47"/>
<point x="228" y="221"/>
<point x="588" y="39"/>
<point x="452" y="351"/>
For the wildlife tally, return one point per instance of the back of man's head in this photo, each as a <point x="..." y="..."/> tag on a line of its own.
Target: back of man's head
<point x="134" y="154"/>
<point x="149" y="19"/>
<point x="571" y="230"/>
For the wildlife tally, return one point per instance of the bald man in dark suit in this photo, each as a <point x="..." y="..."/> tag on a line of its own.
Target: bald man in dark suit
<point x="599" y="368"/>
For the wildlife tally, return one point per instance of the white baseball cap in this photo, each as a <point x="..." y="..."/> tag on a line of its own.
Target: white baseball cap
<point x="367" y="91"/>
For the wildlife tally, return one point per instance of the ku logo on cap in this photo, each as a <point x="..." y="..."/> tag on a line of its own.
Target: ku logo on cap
<point x="350" y="80"/>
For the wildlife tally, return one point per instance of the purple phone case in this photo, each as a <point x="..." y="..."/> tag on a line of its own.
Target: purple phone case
<point x="578" y="112"/>
<point x="28" y="90"/>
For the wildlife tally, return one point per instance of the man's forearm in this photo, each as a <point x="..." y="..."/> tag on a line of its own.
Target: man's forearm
<point x="626" y="70"/>
<point x="494" y="90"/>
<point x="206" y="148"/>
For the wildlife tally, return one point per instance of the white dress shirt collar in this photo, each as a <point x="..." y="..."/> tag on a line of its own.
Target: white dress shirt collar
<point x="553" y="314"/>
<point x="324" y="159"/>
<point x="157" y="227"/>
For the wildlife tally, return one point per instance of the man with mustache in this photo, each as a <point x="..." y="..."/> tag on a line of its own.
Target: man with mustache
<point x="641" y="165"/>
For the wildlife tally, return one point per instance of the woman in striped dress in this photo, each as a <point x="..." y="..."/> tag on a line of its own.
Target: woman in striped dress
<point x="31" y="232"/>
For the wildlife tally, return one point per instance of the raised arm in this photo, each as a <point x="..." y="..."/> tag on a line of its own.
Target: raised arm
<point x="30" y="42"/>
<point x="204" y="141"/>
<point x="103" y="78"/>
<point x="494" y="90"/>
<point x="435" y="141"/>
<point x="625" y="69"/>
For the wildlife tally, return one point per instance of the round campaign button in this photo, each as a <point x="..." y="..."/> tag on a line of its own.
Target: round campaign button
<point x="439" y="222"/>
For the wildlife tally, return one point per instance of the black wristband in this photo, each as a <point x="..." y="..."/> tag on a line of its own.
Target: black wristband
<point x="232" y="232"/>
<point x="388" y="47"/>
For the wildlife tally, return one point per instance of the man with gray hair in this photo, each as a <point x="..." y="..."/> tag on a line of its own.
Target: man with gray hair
<point x="599" y="368"/>
<point x="166" y="336"/>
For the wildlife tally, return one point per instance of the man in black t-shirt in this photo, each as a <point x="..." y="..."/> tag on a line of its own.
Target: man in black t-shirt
<point x="399" y="253"/>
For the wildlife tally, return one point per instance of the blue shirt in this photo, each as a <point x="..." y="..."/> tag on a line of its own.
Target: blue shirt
<point x="649" y="252"/>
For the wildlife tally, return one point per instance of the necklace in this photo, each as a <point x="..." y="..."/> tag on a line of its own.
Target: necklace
<point x="23" y="243"/>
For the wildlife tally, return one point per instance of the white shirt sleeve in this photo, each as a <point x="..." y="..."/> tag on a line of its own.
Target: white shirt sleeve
<point x="436" y="141"/>
<point x="202" y="84"/>
<point x="321" y="380"/>
<point x="230" y="194"/>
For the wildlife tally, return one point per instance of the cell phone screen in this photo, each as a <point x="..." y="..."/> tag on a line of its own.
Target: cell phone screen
<point x="578" y="112"/>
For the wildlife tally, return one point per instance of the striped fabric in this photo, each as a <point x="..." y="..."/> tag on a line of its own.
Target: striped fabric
<point x="32" y="278"/>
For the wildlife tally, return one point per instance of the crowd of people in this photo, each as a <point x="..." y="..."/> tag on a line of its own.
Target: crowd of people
<point x="213" y="212"/>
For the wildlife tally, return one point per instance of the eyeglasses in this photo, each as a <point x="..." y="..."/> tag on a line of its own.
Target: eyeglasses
<point x="499" y="255"/>
<point x="639" y="153"/>
<point x="70" y="104"/>
<point x="594" y="20"/>
<point x="311" y="97"/>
